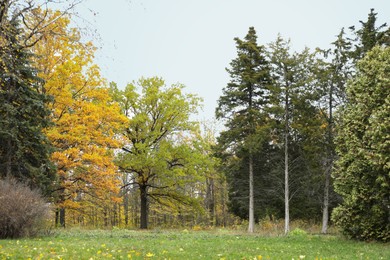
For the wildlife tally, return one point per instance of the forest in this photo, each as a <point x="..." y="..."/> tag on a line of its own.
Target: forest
<point x="306" y="135"/>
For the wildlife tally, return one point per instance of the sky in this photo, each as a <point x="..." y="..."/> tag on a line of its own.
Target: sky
<point x="191" y="41"/>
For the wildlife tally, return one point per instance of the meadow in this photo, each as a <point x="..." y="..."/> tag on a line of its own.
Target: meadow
<point x="187" y="244"/>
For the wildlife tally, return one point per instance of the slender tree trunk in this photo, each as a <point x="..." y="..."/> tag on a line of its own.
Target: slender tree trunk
<point x="251" y="226"/>
<point x="328" y="165"/>
<point x="325" y="212"/>
<point x="210" y="200"/>
<point x="8" y="165"/>
<point x="62" y="217"/>
<point x="286" y="173"/>
<point x="8" y="170"/>
<point x="126" y="206"/>
<point x="144" y="207"/>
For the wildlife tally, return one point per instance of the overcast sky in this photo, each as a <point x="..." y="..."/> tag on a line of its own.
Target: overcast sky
<point x="191" y="42"/>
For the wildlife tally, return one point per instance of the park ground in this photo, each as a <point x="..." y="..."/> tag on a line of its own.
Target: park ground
<point x="188" y="244"/>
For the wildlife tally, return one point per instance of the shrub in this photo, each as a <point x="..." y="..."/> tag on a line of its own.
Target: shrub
<point x="23" y="211"/>
<point x="298" y="233"/>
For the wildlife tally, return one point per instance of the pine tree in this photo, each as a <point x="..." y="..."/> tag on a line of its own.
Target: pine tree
<point x="242" y="104"/>
<point x="24" y="149"/>
<point x="368" y="36"/>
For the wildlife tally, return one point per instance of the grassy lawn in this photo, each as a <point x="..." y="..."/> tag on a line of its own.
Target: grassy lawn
<point x="218" y="244"/>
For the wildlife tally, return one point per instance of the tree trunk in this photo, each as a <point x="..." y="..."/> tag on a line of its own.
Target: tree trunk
<point x="251" y="226"/>
<point x="8" y="166"/>
<point x="210" y="200"/>
<point x="126" y="206"/>
<point x="61" y="217"/>
<point x="325" y="213"/>
<point x="286" y="173"/>
<point x="144" y="207"/>
<point x="328" y="165"/>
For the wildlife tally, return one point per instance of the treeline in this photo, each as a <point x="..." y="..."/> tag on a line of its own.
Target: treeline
<point x="302" y="125"/>
<point x="298" y="127"/>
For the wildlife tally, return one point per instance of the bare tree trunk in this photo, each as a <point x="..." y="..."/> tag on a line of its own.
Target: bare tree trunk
<point x="251" y="226"/>
<point x="126" y="208"/>
<point x="286" y="173"/>
<point x="8" y="165"/>
<point x="328" y="165"/>
<point x="144" y="207"/>
<point x="62" y="217"/>
<point x="210" y="199"/>
<point x="325" y="212"/>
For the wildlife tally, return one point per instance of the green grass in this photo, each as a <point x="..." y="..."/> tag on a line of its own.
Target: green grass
<point x="217" y="244"/>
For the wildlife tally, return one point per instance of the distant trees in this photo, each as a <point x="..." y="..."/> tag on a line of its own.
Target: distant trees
<point x="127" y="157"/>
<point x="301" y="98"/>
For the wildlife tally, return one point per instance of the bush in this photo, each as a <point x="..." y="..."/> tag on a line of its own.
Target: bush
<point x="23" y="211"/>
<point x="298" y="233"/>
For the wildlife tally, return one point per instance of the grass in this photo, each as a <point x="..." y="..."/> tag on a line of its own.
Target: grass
<point x="215" y="244"/>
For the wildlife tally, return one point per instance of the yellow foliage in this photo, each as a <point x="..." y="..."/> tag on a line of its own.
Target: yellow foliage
<point x="85" y="118"/>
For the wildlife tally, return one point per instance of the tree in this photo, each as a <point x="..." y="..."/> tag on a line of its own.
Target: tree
<point x="332" y="76"/>
<point x="85" y="119"/>
<point x="158" y="155"/>
<point x="369" y="36"/>
<point x="292" y="105"/>
<point x="362" y="171"/>
<point x="344" y="56"/>
<point x="242" y="104"/>
<point x="24" y="149"/>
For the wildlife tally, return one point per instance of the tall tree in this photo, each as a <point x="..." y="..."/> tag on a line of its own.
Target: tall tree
<point x="368" y="36"/>
<point x="292" y="93"/>
<point x="158" y="154"/>
<point x="362" y="171"/>
<point x="344" y="56"/>
<point x="332" y="76"/>
<point x="242" y="104"/>
<point x="24" y="149"/>
<point x="85" y="118"/>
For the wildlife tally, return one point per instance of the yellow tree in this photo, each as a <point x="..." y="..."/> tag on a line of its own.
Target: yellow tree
<point x="84" y="116"/>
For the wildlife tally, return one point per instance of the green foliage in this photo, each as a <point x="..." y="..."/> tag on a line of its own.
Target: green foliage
<point x="24" y="149"/>
<point x="369" y="35"/>
<point x="297" y="232"/>
<point x="161" y="154"/>
<point x="245" y="96"/>
<point x="362" y="177"/>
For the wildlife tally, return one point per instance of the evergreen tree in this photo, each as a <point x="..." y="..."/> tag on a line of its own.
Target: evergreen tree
<point x="368" y="36"/>
<point x="24" y="149"/>
<point x="362" y="171"/>
<point x="242" y="105"/>
<point x="332" y="76"/>
<point x="293" y="99"/>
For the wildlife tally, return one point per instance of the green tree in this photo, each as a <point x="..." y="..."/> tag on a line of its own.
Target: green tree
<point x="24" y="149"/>
<point x="292" y="107"/>
<point x="159" y="156"/>
<point x="362" y="171"/>
<point x="332" y="73"/>
<point x="368" y="36"/>
<point x="344" y="55"/>
<point x="242" y="104"/>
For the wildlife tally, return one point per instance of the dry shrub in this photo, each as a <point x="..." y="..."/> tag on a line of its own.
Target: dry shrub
<point x="23" y="211"/>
